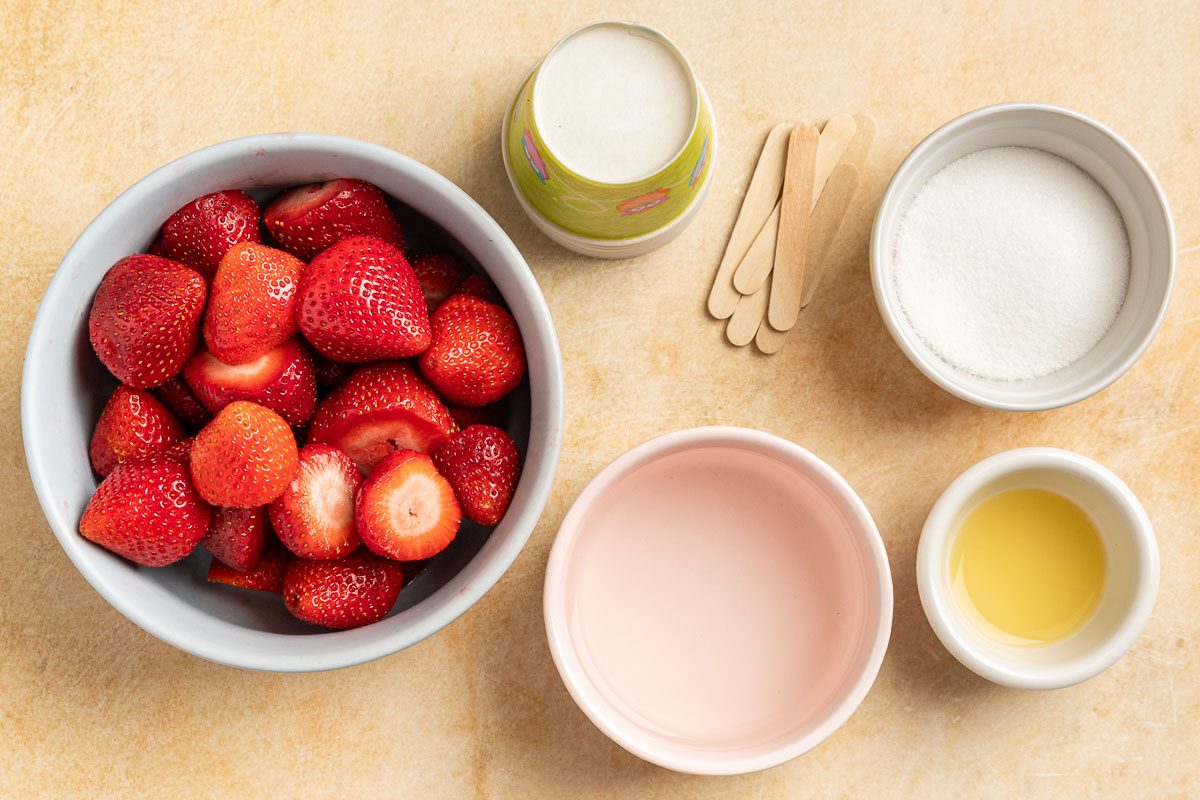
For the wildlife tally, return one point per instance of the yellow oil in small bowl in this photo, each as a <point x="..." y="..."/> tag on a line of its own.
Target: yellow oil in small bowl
<point x="1028" y="567"/>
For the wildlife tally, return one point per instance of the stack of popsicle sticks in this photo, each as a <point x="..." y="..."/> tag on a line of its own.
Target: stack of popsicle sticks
<point x="797" y="198"/>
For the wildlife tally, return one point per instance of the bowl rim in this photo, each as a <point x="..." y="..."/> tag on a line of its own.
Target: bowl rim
<point x="60" y="290"/>
<point x="881" y="244"/>
<point x="558" y="636"/>
<point x="936" y="600"/>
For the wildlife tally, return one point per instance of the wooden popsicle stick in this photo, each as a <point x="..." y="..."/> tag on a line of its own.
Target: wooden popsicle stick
<point x="761" y="194"/>
<point x="856" y="157"/>
<point x="748" y="315"/>
<point x="792" y="244"/>
<point x="757" y="262"/>
<point x="826" y="220"/>
<point x="768" y="340"/>
<point x="860" y="146"/>
<point x="756" y="265"/>
<point x="837" y="134"/>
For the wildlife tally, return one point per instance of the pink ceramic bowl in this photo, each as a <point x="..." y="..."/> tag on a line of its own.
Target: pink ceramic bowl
<point x="718" y="601"/>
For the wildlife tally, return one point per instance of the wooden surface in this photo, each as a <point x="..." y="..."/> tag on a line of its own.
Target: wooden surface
<point x="97" y="95"/>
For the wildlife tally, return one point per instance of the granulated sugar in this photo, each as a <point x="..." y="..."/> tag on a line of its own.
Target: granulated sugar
<point x="1011" y="263"/>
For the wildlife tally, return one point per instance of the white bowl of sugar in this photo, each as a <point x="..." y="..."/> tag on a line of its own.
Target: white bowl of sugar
<point x="1023" y="256"/>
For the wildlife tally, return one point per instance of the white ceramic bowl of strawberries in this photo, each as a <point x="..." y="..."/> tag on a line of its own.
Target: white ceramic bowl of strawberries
<point x="292" y="402"/>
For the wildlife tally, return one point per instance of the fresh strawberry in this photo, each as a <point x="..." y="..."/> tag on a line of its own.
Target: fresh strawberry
<point x="176" y="395"/>
<point x="439" y="275"/>
<point x="245" y="457"/>
<point x="405" y="509"/>
<point x="202" y="231"/>
<point x="308" y="219"/>
<point x="378" y="410"/>
<point x="144" y="323"/>
<point x="466" y="416"/>
<point x="360" y="301"/>
<point x="314" y="517"/>
<point x="482" y="465"/>
<point x="346" y="593"/>
<point x="482" y="287"/>
<point x="147" y="511"/>
<point x="266" y="576"/>
<point x="282" y="379"/>
<point x="236" y="536"/>
<point x="181" y="451"/>
<point x="476" y="356"/>
<point x="132" y="424"/>
<point x="329" y="372"/>
<point x="251" y="302"/>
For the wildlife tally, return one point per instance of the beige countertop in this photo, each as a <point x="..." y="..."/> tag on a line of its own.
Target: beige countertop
<point x="94" y="98"/>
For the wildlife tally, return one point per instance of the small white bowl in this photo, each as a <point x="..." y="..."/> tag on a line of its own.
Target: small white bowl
<point x="64" y="387"/>
<point x="1131" y="583"/>
<point x="1102" y="154"/>
<point x="648" y="525"/>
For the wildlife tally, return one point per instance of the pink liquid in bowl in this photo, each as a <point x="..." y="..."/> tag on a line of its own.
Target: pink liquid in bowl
<point x="717" y="601"/>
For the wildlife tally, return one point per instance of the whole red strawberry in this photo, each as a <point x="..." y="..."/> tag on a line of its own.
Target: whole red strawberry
<point x="236" y="536"/>
<point x="378" y="410"/>
<point x="439" y="275"/>
<point x="145" y="320"/>
<point x="308" y="219"/>
<point x="283" y="379"/>
<point x="251" y="302"/>
<point x="344" y="593"/>
<point x="482" y="465"/>
<point x="201" y="232"/>
<point x="132" y="424"/>
<point x="465" y="416"/>
<point x="405" y="509"/>
<point x="360" y="301"/>
<point x="481" y="287"/>
<point x="147" y="511"/>
<point x="329" y="372"/>
<point x="476" y="356"/>
<point x="314" y="517"/>
<point x="265" y="576"/>
<point x="245" y="457"/>
<point x="176" y="395"/>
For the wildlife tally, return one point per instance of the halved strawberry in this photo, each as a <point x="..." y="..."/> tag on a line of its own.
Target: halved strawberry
<point x="145" y="320"/>
<point x="147" y="511"/>
<point x="405" y="509"/>
<point x="265" y="576"/>
<point x="477" y="355"/>
<point x="482" y="287"/>
<point x="439" y="275"/>
<point x="236" y="536"/>
<point x="132" y="424"/>
<point x="245" y="457"/>
<point x="282" y="379"/>
<point x="381" y="409"/>
<point x="251" y="302"/>
<point x="482" y="465"/>
<point x="201" y="232"/>
<point x="314" y="517"/>
<point x="176" y="395"/>
<point x="360" y="301"/>
<point x="308" y="219"/>
<point x="345" y="593"/>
